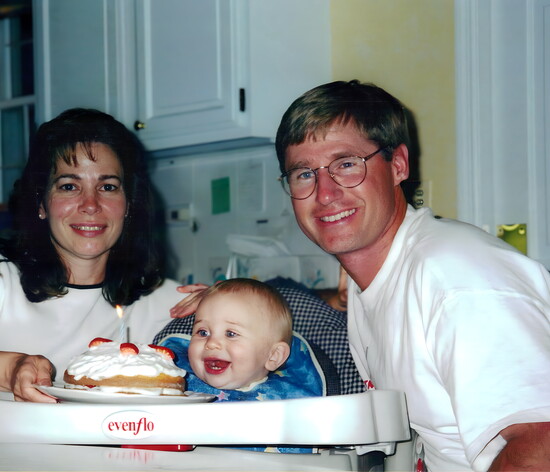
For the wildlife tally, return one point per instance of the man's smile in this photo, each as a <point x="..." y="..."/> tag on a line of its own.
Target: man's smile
<point x="337" y="216"/>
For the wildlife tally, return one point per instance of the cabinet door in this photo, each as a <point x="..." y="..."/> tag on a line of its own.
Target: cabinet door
<point x="187" y="90"/>
<point x="84" y="57"/>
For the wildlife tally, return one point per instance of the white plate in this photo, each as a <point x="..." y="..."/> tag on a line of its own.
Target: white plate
<point x="90" y="396"/>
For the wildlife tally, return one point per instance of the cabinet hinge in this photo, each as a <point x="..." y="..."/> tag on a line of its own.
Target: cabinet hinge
<point x="242" y="100"/>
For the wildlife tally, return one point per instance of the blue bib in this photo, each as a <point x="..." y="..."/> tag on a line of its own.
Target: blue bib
<point x="300" y="376"/>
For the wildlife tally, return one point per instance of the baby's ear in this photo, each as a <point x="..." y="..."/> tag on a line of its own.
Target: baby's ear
<point x="279" y="354"/>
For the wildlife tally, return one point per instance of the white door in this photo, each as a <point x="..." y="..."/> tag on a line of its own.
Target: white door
<point x="503" y="105"/>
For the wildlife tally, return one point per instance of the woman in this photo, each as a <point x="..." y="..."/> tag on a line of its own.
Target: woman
<point x="84" y="242"/>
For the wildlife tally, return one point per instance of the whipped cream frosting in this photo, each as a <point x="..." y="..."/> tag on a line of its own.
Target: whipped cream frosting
<point x="106" y="360"/>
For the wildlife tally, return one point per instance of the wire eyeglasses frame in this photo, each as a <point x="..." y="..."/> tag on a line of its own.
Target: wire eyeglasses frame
<point x="286" y="184"/>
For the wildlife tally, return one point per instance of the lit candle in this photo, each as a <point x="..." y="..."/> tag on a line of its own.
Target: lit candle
<point x="123" y="331"/>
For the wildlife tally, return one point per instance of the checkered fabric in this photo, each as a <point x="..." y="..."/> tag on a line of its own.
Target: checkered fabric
<point x="176" y="326"/>
<point x="324" y="328"/>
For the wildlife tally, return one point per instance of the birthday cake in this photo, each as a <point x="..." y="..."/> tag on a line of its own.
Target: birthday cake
<point x="126" y="368"/>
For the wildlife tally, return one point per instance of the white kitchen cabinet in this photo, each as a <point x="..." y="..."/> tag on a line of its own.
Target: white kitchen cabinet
<point x="185" y="72"/>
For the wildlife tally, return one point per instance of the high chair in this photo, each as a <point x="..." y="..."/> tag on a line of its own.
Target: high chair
<point x="350" y="432"/>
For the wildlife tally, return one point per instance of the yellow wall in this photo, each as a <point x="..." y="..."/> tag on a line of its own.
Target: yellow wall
<point x="407" y="48"/>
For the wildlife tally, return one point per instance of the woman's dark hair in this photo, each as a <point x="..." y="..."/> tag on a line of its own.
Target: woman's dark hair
<point x="379" y="116"/>
<point x="135" y="263"/>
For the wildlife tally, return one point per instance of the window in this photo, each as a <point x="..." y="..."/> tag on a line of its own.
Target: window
<point x="16" y="91"/>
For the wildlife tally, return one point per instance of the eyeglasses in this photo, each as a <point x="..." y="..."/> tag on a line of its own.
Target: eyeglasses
<point x="348" y="172"/>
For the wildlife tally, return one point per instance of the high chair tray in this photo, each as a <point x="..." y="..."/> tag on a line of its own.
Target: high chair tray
<point x="372" y="417"/>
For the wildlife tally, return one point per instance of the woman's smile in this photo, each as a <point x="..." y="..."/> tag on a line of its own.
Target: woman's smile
<point x="89" y="229"/>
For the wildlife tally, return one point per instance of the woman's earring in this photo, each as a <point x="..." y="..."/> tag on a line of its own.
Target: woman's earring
<point x="41" y="215"/>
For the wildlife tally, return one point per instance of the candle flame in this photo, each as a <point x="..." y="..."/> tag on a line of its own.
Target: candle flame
<point x="119" y="311"/>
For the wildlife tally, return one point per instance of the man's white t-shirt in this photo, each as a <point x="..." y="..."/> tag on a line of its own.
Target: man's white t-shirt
<point x="61" y="328"/>
<point x="459" y="321"/>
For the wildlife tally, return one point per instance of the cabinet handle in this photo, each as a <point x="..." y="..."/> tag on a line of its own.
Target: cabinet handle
<point x="242" y="99"/>
<point x="139" y="125"/>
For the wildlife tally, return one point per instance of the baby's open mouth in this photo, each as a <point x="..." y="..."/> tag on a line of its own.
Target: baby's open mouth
<point x="216" y="366"/>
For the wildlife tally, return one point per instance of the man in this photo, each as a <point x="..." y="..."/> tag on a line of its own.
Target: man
<point x="441" y="310"/>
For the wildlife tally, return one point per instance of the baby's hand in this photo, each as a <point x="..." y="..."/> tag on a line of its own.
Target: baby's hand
<point x="189" y="304"/>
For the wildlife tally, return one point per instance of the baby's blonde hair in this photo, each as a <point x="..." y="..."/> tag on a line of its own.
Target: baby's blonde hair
<point x="276" y="306"/>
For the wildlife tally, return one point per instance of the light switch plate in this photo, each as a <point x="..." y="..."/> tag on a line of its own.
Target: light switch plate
<point x="422" y="196"/>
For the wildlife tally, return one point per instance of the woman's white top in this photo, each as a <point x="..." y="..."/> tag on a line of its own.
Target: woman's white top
<point x="61" y="328"/>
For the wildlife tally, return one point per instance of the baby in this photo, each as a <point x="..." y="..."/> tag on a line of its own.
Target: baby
<point x="241" y="336"/>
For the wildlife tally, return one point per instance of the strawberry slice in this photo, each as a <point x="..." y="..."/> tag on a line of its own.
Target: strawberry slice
<point x="165" y="351"/>
<point x="129" y="349"/>
<point x="98" y="341"/>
